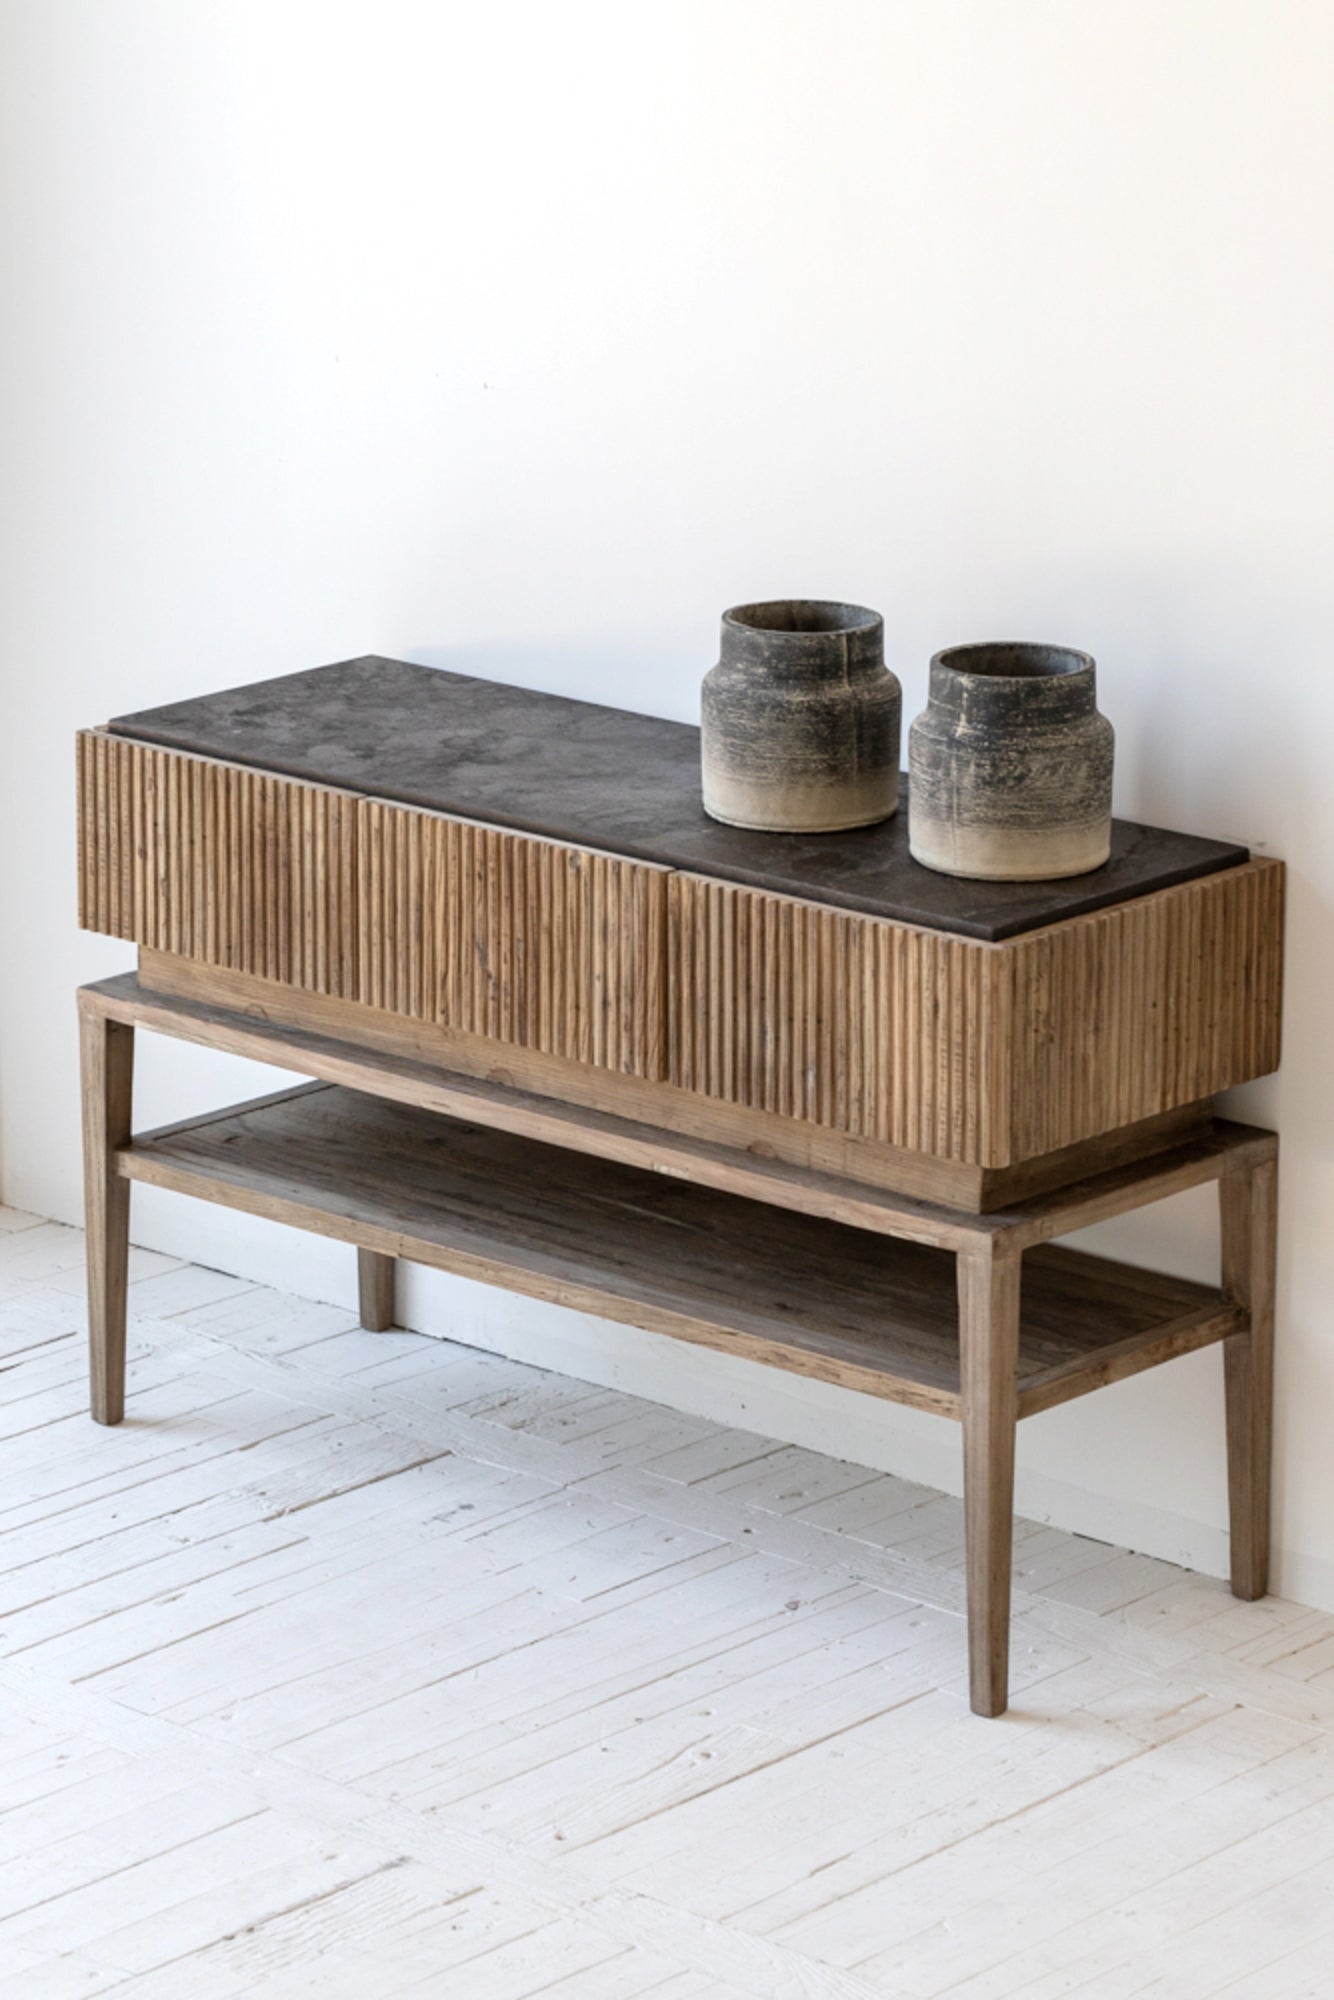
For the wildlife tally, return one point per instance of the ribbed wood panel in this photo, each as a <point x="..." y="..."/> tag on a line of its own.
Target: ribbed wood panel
<point x="1145" y="1007"/>
<point x="550" y="948"/>
<point x="873" y="1028"/>
<point x="980" y="1055"/>
<point x="546" y="947"/>
<point x="232" y="867"/>
<point x="987" y="1054"/>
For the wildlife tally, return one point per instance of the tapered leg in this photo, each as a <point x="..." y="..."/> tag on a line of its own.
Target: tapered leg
<point x="107" y="1057"/>
<point x="1248" y="1211"/>
<point x="989" y="1274"/>
<point x="375" y="1286"/>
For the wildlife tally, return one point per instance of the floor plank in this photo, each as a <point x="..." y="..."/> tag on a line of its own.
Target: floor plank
<point x="367" y="1664"/>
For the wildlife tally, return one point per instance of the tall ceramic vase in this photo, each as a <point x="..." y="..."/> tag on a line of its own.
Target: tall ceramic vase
<point x="1010" y="765"/>
<point x="801" y="719"/>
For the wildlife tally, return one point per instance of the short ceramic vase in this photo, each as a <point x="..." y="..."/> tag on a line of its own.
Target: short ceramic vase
<point x="1010" y="765"/>
<point x="801" y="719"/>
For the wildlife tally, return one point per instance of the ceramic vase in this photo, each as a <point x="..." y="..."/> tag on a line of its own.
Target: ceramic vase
<point x="1010" y="765"/>
<point x="801" y="719"/>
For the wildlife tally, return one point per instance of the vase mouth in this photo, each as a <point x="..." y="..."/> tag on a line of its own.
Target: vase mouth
<point x="810" y="615"/>
<point x="1014" y="660"/>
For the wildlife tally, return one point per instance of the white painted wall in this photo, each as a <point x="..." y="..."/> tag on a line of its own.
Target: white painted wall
<point x="526" y="337"/>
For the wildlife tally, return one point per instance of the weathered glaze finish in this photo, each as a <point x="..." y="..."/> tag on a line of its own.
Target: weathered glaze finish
<point x="801" y="719"/>
<point x="1011" y="765"/>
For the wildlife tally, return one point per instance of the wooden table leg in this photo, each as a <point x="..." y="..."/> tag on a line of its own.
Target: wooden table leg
<point x="1248" y="1214"/>
<point x="989" y="1273"/>
<point x="106" y="1050"/>
<point x="375" y="1289"/>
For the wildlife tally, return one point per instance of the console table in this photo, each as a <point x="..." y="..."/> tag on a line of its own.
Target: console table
<point x="789" y="1096"/>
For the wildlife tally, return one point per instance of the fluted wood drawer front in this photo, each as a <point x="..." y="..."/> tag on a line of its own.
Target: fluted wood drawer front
<point x="552" y="948"/>
<point x="547" y="947"/>
<point x="873" y="1028"/>
<point x="977" y="1053"/>
<point x="1146" y="1006"/>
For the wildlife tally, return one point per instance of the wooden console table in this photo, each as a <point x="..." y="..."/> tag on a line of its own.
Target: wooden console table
<point x="791" y="1097"/>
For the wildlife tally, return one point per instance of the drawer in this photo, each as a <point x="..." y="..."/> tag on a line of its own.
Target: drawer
<point x="875" y="1029"/>
<point x="821" y="1023"/>
<point x="982" y="1054"/>
<point x="524" y="941"/>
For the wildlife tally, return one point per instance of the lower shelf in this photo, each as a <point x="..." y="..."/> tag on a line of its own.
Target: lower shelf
<point x="793" y="1290"/>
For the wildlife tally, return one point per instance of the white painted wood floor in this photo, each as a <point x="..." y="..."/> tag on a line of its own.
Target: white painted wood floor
<point x="364" y="1665"/>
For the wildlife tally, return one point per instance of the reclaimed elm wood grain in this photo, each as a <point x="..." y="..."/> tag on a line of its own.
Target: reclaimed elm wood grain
<point x="1102" y="1192"/>
<point x="1120" y="1359"/>
<point x="808" y="1294"/>
<point x="106" y="1050"/>
<point x="545" y="946"/>
<point x="964" y="1059"/>
<point x="351" y="1046"/>
<point x="1248" y="1201"/>
<point x="986" y="1054"/>
<point x="990" y="1306"/>
<point x="375" y="1290"/>
<point x="740" y="1128"/>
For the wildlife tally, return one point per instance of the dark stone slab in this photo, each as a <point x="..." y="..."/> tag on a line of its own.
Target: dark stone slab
<point x="627" y="783"/>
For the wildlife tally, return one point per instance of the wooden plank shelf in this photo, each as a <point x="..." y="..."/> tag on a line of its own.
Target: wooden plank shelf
<point x="797" y="1291"/>
<point x="392" y="1072"/>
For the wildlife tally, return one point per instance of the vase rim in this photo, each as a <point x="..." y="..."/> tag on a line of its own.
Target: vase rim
<point x="803" y="617"/>
<point x="1014" y="660"/>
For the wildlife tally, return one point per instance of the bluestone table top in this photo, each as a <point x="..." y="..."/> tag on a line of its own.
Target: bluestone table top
<point x="626" y="783"/>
